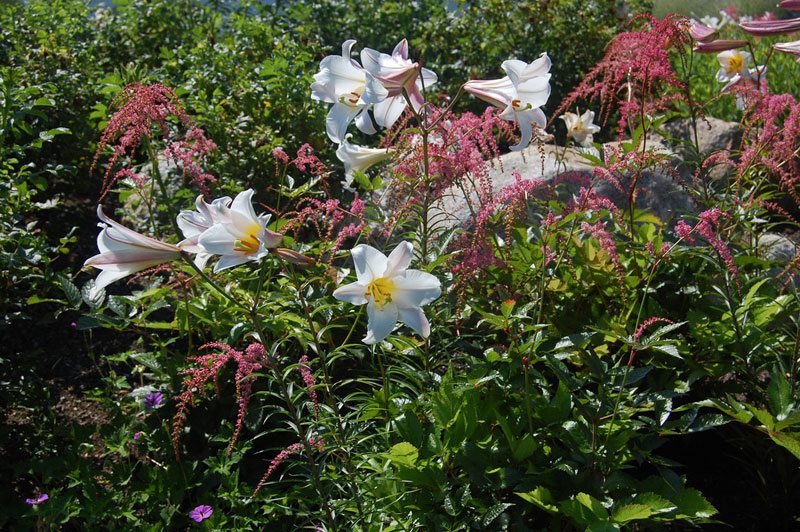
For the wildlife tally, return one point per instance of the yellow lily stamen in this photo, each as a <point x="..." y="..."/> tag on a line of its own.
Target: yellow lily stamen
<point x="381" y="290"/>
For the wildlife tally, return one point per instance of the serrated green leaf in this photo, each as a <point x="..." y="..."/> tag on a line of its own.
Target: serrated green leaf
<point x="788" y="441"/>
<point x="448" y="506"/>
<point x="691" y="503"/>
<point x="70" y="290"/>
<point x="630" y="512"/>
<point x="494" y="512"/>
<point x="94" y="302"/>
<point x="404" y="454"/>
<point x="540" y="497"/>
<point x="779" y="395"/>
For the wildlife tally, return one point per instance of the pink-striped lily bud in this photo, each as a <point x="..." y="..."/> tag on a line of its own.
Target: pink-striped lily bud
<point x="124" y="252"/>
<point x="765" y="28"/>
<point x="788" y="47"/>
<point x="293" y="257"/>
<point x="718" y="46"/>
<point x="702" y="33"/>
<point x="791" y="5"/>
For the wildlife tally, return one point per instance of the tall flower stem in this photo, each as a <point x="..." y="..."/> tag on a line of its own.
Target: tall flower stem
<point x="329" y="396"/>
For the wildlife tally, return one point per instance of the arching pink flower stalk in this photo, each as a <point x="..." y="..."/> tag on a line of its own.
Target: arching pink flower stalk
<point x="284" y="455"/>
<point x="123" y="252"/>
<point x="207" y="369"/>
<point x="342" y="81"/>
<point x="390" y="290"/>
<point x="308" y="379"/>
<point x="520" y="94"/>
<point x="390" y="75"/>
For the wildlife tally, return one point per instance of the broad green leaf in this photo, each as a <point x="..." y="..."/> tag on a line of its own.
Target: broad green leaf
<point x="494" y="512"/>
<point x="404" y="454"/>
<point x="541" y="497"/>
<point x="779" y="395"/>
<point x="70" y="290"/>
<point x="788" y="441"/>
<point x="630" y="512"/>
<point x="691" y="503"/>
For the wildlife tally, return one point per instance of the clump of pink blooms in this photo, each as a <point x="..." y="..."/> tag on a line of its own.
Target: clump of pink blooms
<point x="709" y="228"/>
<point x="634" y="71"/>
<point x="141" y="107"/>
<point x="208" y="368"/>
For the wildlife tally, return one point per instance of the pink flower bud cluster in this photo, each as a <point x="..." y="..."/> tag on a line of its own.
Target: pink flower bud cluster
<point x="308" y="379"/>
<point x="284" y="455"/>
<point x="709" y="228"/>
<point x="208" y="368"/>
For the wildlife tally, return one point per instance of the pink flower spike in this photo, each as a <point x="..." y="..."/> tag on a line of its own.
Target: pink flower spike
<point x="792" y="47"/>
<point x="762" y="28"/>
<point x="718" y="46"/>
<point x="702" y="33"/>
<point x="201" y="513"/>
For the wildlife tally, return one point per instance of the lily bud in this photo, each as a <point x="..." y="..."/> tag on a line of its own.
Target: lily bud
<point x="718" y="46"/>
<point x="791" y="5"/>
<point x="763" y="28"/>
<point x="293" y="257"/>
<point x="702" y="33"/>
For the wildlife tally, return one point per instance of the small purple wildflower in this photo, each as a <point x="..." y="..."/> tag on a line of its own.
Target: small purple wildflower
<point x="201" y="513"/>
<point x="39" y="498"/>
<point x="153" y="400"/>
<point x="73" y="324"/>
<point x="137" y="435"/>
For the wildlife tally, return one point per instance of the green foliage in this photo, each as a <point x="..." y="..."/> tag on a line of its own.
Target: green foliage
<point x="554" y="378"/>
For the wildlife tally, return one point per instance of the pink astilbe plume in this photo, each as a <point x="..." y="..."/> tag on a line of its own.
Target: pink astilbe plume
<point x="459" y="152"/>
<point x="208" y="368"/>
<point x="773" y="132"/>
<point x="635" y="71"/>
<point x="710" y="228"/>
<point x="327" y="218"/>
<point x="284" y="455"/>
<point x="477" y="252"/>
<point x="637" y="336"/>
<point x="308" y="379"/>
<point x="196" y="147"/>
<point x="140" y="107"/>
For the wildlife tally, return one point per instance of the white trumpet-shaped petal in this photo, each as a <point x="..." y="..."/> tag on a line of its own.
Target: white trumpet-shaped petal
<point x="733" y="63"/>
<point x="581" y="127"/>
<point x="123" y="252"/>
<point x="239" y="236"/>
<point x="358" y="158"/>
<point x="388" y="76"/>
<point x="520" y="94"/>
<point x="196" y="222"/>
<point x="390" y="290"/>
<point x="341" y="81"/>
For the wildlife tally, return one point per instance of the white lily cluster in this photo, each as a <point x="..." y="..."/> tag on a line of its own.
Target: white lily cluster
<point x="520" y="94"/>
<point x="223" y="227"/>
<point x="355" y="90"/>
<point x="232" y="230"/>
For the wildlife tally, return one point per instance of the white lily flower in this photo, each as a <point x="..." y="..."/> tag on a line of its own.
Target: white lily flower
<point x="240" y="235"/>
<point x="342" y="81"/>
<point x="581" y="127"/>
<point x="123" y="252"/>
<point x="194" y="223"/>
<point x="388" y="76"/>
<point x="521" y="93"/>
<point x="358" y="158"/>
<point x="390" y="290"/>
<point x="733" y="63"/>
